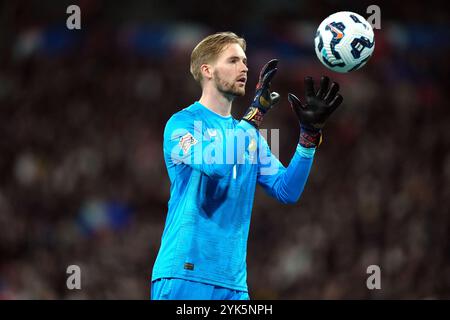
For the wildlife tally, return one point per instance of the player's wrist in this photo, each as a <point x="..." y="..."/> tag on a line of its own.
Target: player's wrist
<point x="305" y="152"/>
<point x="254" y="116"/>
<point x="310" y="137"/>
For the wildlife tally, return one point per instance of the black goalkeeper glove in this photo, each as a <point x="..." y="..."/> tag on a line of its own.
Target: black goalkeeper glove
<point x="264" y="99"/>
<point x="318" y="107"/>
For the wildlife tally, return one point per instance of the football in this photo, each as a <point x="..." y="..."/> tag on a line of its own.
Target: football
<point x="344" y="41"/>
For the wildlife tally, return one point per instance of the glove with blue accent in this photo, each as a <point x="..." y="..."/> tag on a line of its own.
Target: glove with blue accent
<point x="264" y="99"/>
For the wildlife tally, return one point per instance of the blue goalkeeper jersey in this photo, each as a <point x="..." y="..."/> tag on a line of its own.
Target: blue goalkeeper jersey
<point x="214" y="163"/>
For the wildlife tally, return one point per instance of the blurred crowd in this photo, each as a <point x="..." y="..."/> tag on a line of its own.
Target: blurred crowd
<point x="83" y="181"/>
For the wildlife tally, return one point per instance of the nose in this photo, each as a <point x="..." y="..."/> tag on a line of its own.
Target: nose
<point x="244" y="67"/>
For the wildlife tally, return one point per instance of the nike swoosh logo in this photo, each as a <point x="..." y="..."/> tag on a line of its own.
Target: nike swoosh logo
<point x="339" y="33"/>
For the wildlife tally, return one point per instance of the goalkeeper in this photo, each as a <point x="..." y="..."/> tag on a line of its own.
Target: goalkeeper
<point x="214" y="162"/>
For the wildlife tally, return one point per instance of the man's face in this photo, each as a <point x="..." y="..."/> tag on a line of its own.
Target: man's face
<point x="230" y="71"/>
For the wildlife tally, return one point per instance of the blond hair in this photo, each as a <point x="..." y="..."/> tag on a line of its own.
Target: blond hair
<point x="209" y="49"/>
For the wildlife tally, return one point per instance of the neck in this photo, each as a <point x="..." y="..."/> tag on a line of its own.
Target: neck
<point x="217" y="102"/>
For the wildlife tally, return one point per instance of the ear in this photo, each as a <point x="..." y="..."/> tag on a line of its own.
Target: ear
<point x="206" y="70"/>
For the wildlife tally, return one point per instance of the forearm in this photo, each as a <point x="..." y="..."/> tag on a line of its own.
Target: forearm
<point x="291" y="182"/>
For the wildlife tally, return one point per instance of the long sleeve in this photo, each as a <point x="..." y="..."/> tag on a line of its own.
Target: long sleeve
<point x="285" y="184"/>
<point x="211" y="151"/>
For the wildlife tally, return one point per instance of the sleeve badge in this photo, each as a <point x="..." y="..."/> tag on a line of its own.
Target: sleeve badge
<point x="186" y="142"/>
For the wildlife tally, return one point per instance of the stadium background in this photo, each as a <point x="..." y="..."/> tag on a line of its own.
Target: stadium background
<point x="82" y="178"/>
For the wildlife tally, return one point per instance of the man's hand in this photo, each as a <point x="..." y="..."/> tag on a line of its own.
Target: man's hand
<point x="264" y="99"/>
<point x="316" y="110"/>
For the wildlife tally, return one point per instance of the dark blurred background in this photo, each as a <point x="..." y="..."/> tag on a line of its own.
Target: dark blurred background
<point x="83" y="181"/>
